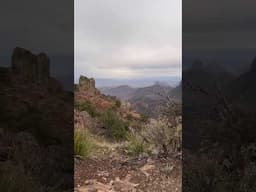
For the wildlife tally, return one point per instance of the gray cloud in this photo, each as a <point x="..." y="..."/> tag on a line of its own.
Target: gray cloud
<point x="127" y="38"/>
<point x="219" y="25"/>
<point x="37" y="25"/>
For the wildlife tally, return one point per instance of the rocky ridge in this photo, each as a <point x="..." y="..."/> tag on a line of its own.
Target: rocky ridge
<point x="37" y="113"/>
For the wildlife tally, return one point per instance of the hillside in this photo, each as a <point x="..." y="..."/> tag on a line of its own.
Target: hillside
<point x="201" y="83"/>
<point x="149" y="100"/>
<point x="89" y="99"/>
<point x="216" y="118"/>
<point x="146" y="100"/>
<point x="117" y="149"/>
<point x="243" y="89"/>
<point x="36" y="126"/>
<point x="176" y="93"/>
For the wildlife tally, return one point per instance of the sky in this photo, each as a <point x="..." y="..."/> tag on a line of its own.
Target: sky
<point x="224" y="25"/>
<point x="220" y="32"/>
<point x="126" y="39"/>
<point x="40" y="26"/>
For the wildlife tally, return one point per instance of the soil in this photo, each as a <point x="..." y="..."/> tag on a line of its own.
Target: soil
<point x="114" y="173"/>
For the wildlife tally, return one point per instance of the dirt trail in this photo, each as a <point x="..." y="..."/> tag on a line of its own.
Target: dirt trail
<point x="119" y="173"/>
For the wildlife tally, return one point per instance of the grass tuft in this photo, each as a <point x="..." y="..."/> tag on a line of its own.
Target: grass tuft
<point x="83" y="144"/>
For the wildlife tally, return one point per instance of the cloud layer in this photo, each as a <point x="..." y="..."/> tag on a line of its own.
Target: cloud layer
<point x="127" y="39"/>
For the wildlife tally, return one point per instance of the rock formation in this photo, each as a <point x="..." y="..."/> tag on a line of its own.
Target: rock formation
<point x="87" y="84"/>
<point x="30" y="67"/>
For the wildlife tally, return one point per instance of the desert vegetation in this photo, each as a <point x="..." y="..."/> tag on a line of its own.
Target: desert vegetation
<point x="124" y="143"/>
<point x="83" y="144"/>
<point x="116" y="128"/>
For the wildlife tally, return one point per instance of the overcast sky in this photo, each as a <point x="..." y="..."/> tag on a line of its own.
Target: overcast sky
<point x="127" y="38"/>
<point x="223" y="29"/>
<point x="221" y="32"/>
<point x="39" y="26"/>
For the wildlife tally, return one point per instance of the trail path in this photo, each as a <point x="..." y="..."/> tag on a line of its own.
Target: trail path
<point x="112" y="171"/>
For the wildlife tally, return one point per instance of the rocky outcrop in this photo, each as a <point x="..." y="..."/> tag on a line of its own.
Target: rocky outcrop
<point x="87" y="84"/>
<point x="30" y="67"/>
<point x="87" y="92"/>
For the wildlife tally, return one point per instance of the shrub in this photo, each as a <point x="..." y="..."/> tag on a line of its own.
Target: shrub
<point x="144" y="118"/>
<point x="115" y="126"/>
<point x="82" y="143"/>
<point x="118" y="103"/>
<point x="129" y="117"/>
<point x="86" y="106"/>
<point x="165" y="137"/>
<point x="136" y="145"/>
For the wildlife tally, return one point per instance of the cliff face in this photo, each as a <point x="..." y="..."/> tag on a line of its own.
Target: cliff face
<point x="91" y="104"/>
<point x="27" y="85"/>
<point x="87" y="84"/>
<point x="30" y="67"/>
<point x="86" y="91"/>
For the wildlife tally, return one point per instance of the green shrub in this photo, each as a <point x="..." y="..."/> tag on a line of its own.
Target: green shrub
<point x="83" y="145"/>
<point x="115" y="126"/>
<point x="86" y="106"/>
<point x="118" y="103"/>
<point x="136" y="145"/>
<point x="163" y="135"/>
<point x="129" y="117"/>
<point x="144" y="118"/>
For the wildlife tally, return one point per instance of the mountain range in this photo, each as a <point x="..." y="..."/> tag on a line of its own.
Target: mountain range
<point x="137" y="82"/>
<point x="146" y="100"/>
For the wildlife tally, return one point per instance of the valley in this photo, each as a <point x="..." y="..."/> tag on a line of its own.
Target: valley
<point x="146" y="100"/>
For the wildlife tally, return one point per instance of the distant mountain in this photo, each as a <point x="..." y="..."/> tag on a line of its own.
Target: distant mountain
<point x="155" y="91"/>
<point x="137" y="82"/>
<point x="206" y="76"/>
<point x="123" y="92"/>
<point x="200" y="89"/>
<point x="148" y="100"/>
<point x="243" y="89"/>
<point x="176" y="93"/>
